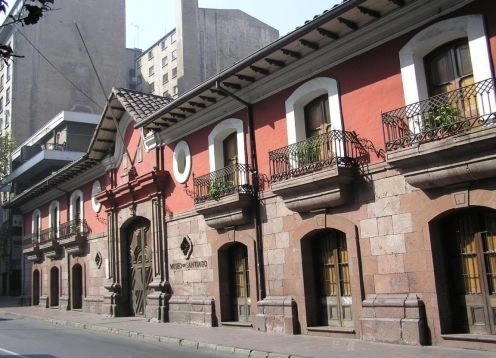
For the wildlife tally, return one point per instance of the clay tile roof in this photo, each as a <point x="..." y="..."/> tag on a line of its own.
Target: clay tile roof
<point x="138" y="104"/>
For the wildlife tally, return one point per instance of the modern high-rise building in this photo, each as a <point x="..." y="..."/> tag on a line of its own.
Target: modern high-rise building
<point x="204" y="42"/>
<point x="55" y="72"/>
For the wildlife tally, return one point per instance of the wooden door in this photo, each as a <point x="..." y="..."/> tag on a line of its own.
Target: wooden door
<point x="449" y="68"/>
<point x="240" y="284"/>
<point x="470" y="237"/>
<point x="230" y="177"/>
<point x="333" y="275"/>
<point x="140" y="267"/>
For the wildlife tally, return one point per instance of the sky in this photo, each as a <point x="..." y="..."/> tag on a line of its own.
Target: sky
<point x="148" y="20"/>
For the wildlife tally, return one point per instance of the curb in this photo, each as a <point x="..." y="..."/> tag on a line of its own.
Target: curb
<point x="174" y="341"/>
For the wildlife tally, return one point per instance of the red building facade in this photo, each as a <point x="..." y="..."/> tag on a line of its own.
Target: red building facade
<point x="338" y="182"/>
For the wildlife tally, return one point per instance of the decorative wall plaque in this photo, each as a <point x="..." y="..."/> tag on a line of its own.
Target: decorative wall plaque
<point x="187" y="247"/>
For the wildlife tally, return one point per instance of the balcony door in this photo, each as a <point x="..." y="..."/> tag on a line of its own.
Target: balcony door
<point x="449" y="68"/>
<point x="470" y="245"/>
<point x="317" y="116"/>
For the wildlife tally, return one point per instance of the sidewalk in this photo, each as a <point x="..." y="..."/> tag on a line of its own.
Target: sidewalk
<point x="241" y="342"/>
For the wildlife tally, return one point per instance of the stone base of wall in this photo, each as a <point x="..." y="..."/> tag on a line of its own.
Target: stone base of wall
<point x="25" y="300"/>
<point x="156" y="309"/>
<point x="112" y="306"/>
<point x="277" y="314"/>
<point x="43" y="302"/>
<point x="199" y="310"/>
<point x="92" y="304"/>
<point x="394" y="318"/>
<point x="64" y="303"/>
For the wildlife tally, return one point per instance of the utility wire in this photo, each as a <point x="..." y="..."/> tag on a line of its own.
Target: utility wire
<point x="57" y="70"/>
<point x="105" y="96"/>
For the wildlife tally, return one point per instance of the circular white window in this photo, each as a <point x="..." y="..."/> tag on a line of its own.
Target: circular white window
<point x="97" y="187"/>
<point x="181" y="164"/>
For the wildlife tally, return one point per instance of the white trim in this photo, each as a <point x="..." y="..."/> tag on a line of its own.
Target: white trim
<point x="412" y="54"/>
<point x="217" y="135"/>
<point x="54" y="204"/>
<point x="303" y="95"/>
<point x="36" y="213"/>
<point x="95" y="189"/>
<point x="181" y="149"/>
<point x="74" y="196"/>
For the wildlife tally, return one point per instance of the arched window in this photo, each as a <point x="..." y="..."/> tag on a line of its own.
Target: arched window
<point x="36" y="225"/>
<point x="227" y="139"/>
<point x="54" y="219"/>
<point x="449" y="67"/>
<point x="314" y="104"/>
<point x="76" y="211"/>
<point x="412" y="56"/>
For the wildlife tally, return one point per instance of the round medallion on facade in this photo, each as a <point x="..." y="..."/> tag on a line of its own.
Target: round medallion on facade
<point x="181" y="164"/>
<point x="97" y="187"/>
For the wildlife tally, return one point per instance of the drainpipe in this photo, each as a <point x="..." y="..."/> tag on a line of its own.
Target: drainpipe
<point x="256" y="192"/>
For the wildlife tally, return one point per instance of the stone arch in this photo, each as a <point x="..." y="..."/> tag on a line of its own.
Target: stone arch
<point x="54" y="286"/>
<point x="77" y="286"/>
<point x="223" y="242"/>
<point x="439" y="313"/>
<point x="319" y="222"/>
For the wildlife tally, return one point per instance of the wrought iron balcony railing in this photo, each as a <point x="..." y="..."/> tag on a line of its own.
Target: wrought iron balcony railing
<point x="73" y="228"/>
<point x="440" y="116"/>
<point x="228" y="180"/>
<point x="30" y="240"/>
<point x="335" y="147"/>
<point x="46" y="235"/>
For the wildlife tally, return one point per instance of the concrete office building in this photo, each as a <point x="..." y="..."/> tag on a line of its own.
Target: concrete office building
<point x="204" y="42"/>
<point x="33" y="90"/>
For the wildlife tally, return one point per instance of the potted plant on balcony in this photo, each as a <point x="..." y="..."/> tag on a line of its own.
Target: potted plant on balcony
<point x="308" y="152"/>
<point x="440" y="117"/>
<point x="75" y="229"/>
<point x="220" y="187"/>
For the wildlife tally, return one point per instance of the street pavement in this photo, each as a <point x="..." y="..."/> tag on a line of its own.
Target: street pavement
<point x="240" y="342"/>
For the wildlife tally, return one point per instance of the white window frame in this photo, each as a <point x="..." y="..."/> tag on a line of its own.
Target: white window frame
<point x="36" y="213"/>
<point x="181" y="151"/>
<point x="413" y="52"/>
<point x="304" y="94"/>
<point x="54" y="204"/>
<point x="215" y="147"/>
<point x="95" y="189"/>
<point x="74" y="196"/>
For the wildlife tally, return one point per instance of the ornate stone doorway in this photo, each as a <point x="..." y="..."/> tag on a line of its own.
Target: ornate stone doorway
<point x="139" y="265"/>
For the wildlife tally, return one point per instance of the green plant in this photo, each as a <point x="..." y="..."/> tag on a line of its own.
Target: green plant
<point x="308" y="152"/>
<point x="75" y="229"/>
<point x="441" y="116"/>
<point x="219" y="186"/>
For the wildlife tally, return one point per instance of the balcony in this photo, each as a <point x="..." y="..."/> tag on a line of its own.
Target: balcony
<point x="48" y="244"/>
<point x="73" y="236"/>
<point x="316" y="173"/>
<point x="224" y="197"/>
<point x="446" y="139"/>
<point x="30" y="248"/>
